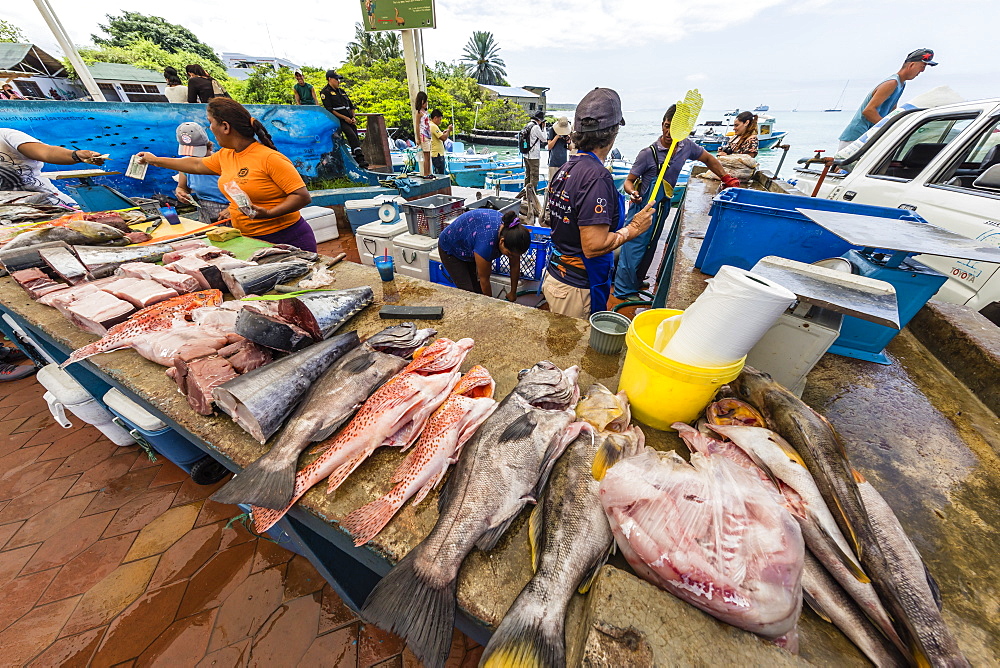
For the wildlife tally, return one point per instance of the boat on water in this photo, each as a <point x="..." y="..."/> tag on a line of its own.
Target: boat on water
<point x="761" y="107"/>
<point x="468" y="167"/>
<point x="840" y="99"/>
<point x="713" y="135"/>
<point x="511" y="179"/>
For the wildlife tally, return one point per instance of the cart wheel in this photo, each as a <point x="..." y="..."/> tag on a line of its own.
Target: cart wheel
<point x="207" y="471"/>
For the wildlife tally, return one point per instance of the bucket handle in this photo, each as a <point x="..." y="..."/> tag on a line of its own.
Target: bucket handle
<point x="373" y="249"/>
<point x="58" y="410"/>
<point x="137" y="437"/>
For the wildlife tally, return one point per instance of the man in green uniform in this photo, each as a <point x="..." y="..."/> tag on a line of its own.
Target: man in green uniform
<point x="304" y="92"/>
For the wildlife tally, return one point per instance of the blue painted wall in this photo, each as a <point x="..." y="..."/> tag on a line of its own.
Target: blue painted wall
<point x="303" y="133"/>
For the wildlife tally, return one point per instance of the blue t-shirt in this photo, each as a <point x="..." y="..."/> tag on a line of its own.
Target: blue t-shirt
<point x="475" y="232"/>
<point x="581" y="193"/>
<point x="206" y="186"/>
<point x="647" y="168"/>
<point x="559" y="150"/>
<point x="859" y="124"/>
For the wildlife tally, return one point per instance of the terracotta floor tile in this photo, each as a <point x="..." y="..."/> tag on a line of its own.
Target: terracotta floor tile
<point x="141" y="510"/>
<point x="11" y="425"/>
<point x="52" y="520"/>
<point x="35" y="421"/>
<point x="163" y="531"/>
<point x="27" y="409"/>
<point x="269" y="554"/>
<point x="35" y="631"/>
<point x="27" y="478"/>
<point x="186" y="556"/>
<point x="301" y="578"/>
<point x="182" y="644"/>
<point x="286" y="636"/>
<point x="169" y="473"/>
<point x="144" y="462"/>
<point x="392" y="662"/>
<point x="138" y="625"/>
<point x="121" y="491"/>
<point x="236" y="534"/>
<point x="8" y="530"/>
<point x="20" y="596"/>
<point x="110" y="596"/>
<point x="86" y="458"/>
<point x="217" y="579"/>
<point x="49" y="433"/>
<point x="338" y="649"/>
<point x="12" y="561"/>
<point x="72" y="652"/>
<point x="71" y="541"/>
<point x="334" y="613"/>
<point x="125" y="664"/>
<point x="192" y="491"/>
<point x="15" y="462"/>
<point x="31" y="501"/>
<point x="234" y="656"/>
<point x="12" y="442"/>
<point x="213" y="511"/>
<point x="71" y="443"/>
<point x="101" y="475"/>
<point x="88" y="568"/>
<point x="376" y="645"/>
<point x="249" y="606"/>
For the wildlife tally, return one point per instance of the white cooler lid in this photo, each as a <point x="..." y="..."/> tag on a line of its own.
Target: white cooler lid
<point x="132" y="411"/>
<point x="384" y="230"/>
<point x="310" y="212"/>
<point x="436" y="255"/>
<point x="415" y="242"/>
<point x="62" y="385"/>
<point x="362" y="203"/>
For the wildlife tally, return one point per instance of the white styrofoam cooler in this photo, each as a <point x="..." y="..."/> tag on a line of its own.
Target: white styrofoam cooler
<point x="65" y="393"/>
<point x="793" y="345"/>
<point x="412" y="253"/>
<point x="323" y="222"/>
<point x="376" y="238"/>
<point x="501" y="285"/>
<point x="364" y="211"/>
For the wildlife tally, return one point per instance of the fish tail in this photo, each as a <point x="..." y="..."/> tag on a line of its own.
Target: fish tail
<point x="265" y="518"/>
<point x="366" y="522"/>
<point x="82" y="353"/>
<point x="338" y="477"/>
<point x="268" y="483"/>
<point x="526" y="639"/>
<point x="407" y="603"/>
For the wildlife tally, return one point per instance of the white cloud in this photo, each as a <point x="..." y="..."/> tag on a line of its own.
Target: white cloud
<point x="698" y="76"/>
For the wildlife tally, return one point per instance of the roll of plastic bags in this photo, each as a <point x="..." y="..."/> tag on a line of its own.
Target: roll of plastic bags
<point x="726" y="321"/>
<point x="710" y="534"/>
<point x="932" y="98"/>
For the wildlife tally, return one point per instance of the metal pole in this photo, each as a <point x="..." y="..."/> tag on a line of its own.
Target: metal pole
<point x="413" y="67"/>
<point x="70" y="50"/>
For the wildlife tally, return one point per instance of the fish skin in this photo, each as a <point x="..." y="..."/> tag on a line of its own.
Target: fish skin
<point x="837" y="606"/>
<point x="159" y="316"/>
<point x="500" y="471"/>
<point x="270" y="481"/>
<point x="98" y="256"/>
<point x="78" y="232"/>
<point x="447" y="430"/>
<point x="258" y="279"/>
<point x="322" y="313"/>
<point x="387" y="411"/>
<point x="571" y="538"/>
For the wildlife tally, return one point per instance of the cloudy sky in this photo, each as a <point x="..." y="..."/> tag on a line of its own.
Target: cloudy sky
<point x="785" y="53"/>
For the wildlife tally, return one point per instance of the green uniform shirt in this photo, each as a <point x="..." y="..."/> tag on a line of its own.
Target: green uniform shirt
<point x="307" y="94"/>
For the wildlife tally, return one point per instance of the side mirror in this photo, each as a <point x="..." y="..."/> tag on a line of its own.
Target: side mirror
<point x="990" y="179"/>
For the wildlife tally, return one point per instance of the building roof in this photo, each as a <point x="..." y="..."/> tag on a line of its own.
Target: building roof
<point x="510" y="91"/>
<point x="20" y="57"/>
<point x="119" y="72"/>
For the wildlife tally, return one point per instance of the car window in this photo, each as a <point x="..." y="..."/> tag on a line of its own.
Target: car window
<point x="920" y="146"/>
<point x="979" y="154"/>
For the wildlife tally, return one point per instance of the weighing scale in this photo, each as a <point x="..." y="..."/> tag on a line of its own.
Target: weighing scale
<point x="807" y="330"/>
<point x="887" y="247"/>
<point x="92" y="196"/>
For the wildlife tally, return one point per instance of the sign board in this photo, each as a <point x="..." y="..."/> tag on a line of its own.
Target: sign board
<point x="397" y="14"/>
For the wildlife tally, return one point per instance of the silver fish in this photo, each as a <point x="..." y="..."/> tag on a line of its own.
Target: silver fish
<point x="322" y="313"/>
<point x="258" y="279"/>
<point x="65" y="264"/>
<point x="570" y="536"/>
<point x="99" y="256"/>
<point x="270" y="481"/>
<point x="504" y="467"/>
<point x="75" y="233"/>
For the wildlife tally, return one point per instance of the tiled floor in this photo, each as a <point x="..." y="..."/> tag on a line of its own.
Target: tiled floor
<point x="107" y="558"/>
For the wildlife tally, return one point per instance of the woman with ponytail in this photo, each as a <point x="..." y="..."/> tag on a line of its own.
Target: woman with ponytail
<point x="247" y="161"/>
<point x="472" y="241"/>
<point x="745" y="139"/>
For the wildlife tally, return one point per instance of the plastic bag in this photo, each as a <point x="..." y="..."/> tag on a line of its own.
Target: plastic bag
<point x="741" y="166"/>
<point x="709" y="533"/>
<point x="240" y="198"/>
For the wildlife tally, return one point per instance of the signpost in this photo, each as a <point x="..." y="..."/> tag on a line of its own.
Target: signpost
<point x="397" y="14"/>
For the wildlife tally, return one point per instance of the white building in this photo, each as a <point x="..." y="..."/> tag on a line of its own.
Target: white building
<point x="531" y="98"/>
<point x="239" y="65"/>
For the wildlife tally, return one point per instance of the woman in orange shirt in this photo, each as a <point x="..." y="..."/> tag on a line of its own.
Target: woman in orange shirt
<point x="247" y="160"/>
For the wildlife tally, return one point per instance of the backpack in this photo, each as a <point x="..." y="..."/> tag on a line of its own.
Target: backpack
<point x="524" y="139"/>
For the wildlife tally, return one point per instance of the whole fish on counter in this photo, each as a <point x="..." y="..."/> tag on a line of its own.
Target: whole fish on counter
<point x="394" y="415"/>
<point x="323" y="312"/>
<point x="570" y="536"/>
<point x="75" y="232"/>
<point x="503" y="468"/>
<point x="152" y="318"/>
<point x="447" y="430"/>
<point x="270" y="481"/>
<point x="258" y="279"/>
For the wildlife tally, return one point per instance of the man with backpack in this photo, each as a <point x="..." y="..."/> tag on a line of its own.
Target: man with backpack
<point x="530" y="145"/>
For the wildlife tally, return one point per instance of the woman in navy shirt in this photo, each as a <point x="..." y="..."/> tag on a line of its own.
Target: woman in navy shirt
<point x="469" y="245"/>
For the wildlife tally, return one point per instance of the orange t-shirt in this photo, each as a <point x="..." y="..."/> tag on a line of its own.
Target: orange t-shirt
<point x="266" y="176"/>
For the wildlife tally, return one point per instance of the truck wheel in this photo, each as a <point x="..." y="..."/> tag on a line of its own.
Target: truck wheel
<point x="992" y="313"/>
<point x="207" y="471"/>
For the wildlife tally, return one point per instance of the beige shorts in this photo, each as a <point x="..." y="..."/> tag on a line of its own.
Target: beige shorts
<point x="425" y="146"/>
<point x="565" y="299"/>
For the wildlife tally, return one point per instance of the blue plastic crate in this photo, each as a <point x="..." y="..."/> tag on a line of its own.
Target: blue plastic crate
<point x="440" y="275"/>
<point x="750" y="224"/>
<point x="533" y="261"/>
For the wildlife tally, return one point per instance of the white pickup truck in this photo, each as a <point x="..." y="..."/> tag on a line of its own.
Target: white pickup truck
<point x="944" y="164"/>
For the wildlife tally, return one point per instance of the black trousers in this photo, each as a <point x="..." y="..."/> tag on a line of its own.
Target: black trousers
<point x="350" y="135"/>
<point x="463" y="273"/>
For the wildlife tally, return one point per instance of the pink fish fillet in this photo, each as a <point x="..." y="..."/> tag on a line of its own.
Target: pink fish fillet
<point x="447" y="430"/>
<point x="394" y="415"/>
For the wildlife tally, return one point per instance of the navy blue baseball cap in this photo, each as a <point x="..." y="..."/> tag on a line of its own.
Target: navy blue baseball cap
<point x="599" y="109"/>
<point x="925" y="56"/>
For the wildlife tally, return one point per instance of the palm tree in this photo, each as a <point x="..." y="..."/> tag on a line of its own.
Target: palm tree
<point x="482" y="59"/>
<point x="371" y="47"/>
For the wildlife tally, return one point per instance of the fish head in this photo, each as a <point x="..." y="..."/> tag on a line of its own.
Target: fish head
<point x="97" y="232"/>
<point x="753" y="386"/>
<point x="400" y="340"/>
<point x="476" y="383"/>
<point x="603" y="409"/>
<point x="734" y="412"/>
<point x="547" y="387"/>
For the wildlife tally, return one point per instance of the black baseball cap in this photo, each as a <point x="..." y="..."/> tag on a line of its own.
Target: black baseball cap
<point x="599" y="109"/>
<point x="925" y="56"/>
<point x="539" y="115"/>
<point x="332" y="74"/>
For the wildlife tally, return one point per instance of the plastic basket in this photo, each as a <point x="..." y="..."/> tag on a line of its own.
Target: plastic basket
<point x="430" y="215"/>
<point x="533" y="260"/>
<point x="501" y="204"/>
<point x="750" y="224"/>
<point x="150" y="207"/>
<point x="440" y="275"/>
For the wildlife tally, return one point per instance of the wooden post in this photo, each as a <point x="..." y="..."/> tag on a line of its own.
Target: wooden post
<point x="413" y="56"/>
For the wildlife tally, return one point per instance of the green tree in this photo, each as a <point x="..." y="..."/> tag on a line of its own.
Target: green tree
<point x="266" y="86"/>
<point x="10" y="32"/>
<point x="151" y="56"/>
<point x="371" y="47"/>
<point x="502" y="115"/>
<point x="482" y="59"/>
<point x="129" y="27"/>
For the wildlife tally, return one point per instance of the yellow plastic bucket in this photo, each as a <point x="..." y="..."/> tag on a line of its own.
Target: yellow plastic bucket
<point x="662" y="391"/>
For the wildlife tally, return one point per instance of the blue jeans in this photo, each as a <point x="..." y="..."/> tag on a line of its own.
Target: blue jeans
<point x="636" y="254"/>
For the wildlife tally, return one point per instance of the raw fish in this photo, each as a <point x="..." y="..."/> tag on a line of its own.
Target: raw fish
<point x="270" y="481"/>
<point x="36" y="282"/>
<point x="503" y="468"/>
<point x="139" y="292"/>
<point x="100" y="256"/>
<point x="64" y="263"/>
<point x="28" y="258"/>
<point x="181" y="283"/>
<point x="99" y="311"/>
<point x="200" y="377"/>
<point x="75" y="232"/>
<point x="322" y="313"/>
<point x="447" y="430"/>
<point x="271" y="332"/>
<point x="257" y="280"/>
<point x="163" y="347"/>
<point x="192" y="267"/>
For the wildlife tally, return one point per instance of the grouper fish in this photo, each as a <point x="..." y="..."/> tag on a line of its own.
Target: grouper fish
<point x="503" y="468"/>
<point x="270" y="481"/>
<point x="570" y="536"/>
